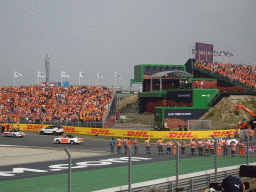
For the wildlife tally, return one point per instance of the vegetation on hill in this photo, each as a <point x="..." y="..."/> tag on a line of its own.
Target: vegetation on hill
<point x="224" y="115"/>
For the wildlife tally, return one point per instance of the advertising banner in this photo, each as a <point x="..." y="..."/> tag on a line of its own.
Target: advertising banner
<point x="132" y="133"/>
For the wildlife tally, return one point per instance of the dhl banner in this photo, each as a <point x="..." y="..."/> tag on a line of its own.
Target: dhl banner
<point x="133" y="133"/>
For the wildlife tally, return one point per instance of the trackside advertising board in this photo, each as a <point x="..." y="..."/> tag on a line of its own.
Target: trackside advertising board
<point x="132" y="133"/>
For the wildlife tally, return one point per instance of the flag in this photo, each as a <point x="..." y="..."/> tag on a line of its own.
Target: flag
<point x="202" y="52"/>
<point x="222" y="53"/>
<point x="99" y="75"/>
<point x="16" y="74"/>
<point x="231" y="55"/>
<point x="216" y="53"/>
<point x="209" y="53"/>
<point x="252" y="148"/>
<point x="81" y="74"/>
<point x="116" y="75"/>
<point x="64" y="74"/>
<point x="227" y="54"/>
<point x="40" y="74"/>
<point x="194" y="51"/>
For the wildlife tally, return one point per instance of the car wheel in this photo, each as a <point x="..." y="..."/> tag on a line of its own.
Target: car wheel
<point x="72" y="142"/>
<point x="57" y="141"/>
<point x="55" y="133"/>
<point x="14" y="135"/>
<point x="41" y="133"/>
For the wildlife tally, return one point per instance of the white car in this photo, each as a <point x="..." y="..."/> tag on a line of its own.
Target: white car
<point x="13" y="133"/>
<point x="71" y="139"/>
<point x="55" y="130"/>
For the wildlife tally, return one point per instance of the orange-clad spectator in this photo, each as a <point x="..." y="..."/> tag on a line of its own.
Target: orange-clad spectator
<point x="241" y="148"/>
<point x="118" y="144"/>
<point x="233" y="149"/>
<point x="147" y="145"/>
<point x="169" y="147"/>
<point x="192" y="146"/>
<point x="136" y="146"/>
<point x="219" y="145"/>
<point x="129" y="142"/>
<point x="159" y="145"/>
<point x="212" y="148"/>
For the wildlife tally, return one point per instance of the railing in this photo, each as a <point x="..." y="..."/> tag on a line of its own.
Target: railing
<point x="109" y="109"/>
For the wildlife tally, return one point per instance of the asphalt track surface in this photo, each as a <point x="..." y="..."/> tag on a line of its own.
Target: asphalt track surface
<point x="99" y="163"/>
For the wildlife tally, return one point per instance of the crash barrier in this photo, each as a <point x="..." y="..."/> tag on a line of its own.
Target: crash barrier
<point x="193" y="181"/>
<point x="133" y="133"/>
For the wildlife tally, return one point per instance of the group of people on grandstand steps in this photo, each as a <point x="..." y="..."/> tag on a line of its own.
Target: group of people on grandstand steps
<point x="42" y="104"/>
<point x="244" y="73"/>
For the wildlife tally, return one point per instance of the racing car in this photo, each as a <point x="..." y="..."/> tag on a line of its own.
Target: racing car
<point x="13" y="133"/>
<point x="72" y="139"/>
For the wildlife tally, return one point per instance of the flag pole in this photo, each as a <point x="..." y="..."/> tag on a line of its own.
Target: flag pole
<point x="206" y="56"/>
<point x="226" y="59"/>
<point x="79" y="80"/>
<point x="14" y="80"/>
<point x="37" y="79"/>
<point x="61" y="79"/>
<point x="97" y="80"/>
<point x="115" y="82"/>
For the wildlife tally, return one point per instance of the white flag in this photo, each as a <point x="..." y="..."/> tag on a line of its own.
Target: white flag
<point x="99" y="75"/>
<point x="16" y="74"/>
<point x="40" y="74"/>
<point x="64" y="74"/>
<point x="81" y="74"/>
<point x="116" y="75"/>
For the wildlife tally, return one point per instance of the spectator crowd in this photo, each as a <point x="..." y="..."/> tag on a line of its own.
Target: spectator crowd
<point x="42" y="104"/>
<point x="244" y="73"/>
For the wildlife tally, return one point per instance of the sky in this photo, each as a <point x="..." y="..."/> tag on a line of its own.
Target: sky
<point x="116" y="35"/>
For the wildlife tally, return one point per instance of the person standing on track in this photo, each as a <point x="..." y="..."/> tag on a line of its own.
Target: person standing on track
<point x="241" y="148"/>
<point x="212" y="148"/>
<point x="112" y="145"/>
<point x="159" y="145"/>
<point x="169" y="148"/>
<point x="200" y="147"/>
<point x="219" y="145"/>
<point x="174" y="147"/>
<point x="125" y="148"/>
<point x="233" y="149"/>
<point x="136" y="146"/>
<point x="226" y="147"/>
<point x="129" y="142"/>
<point x="207" y="147"/>
<point x="250" y="134"/>
<point x="118" y="144"/>
<point x="192" y="146"/>
<point x="147" y="145"/>
<point x="183" y="147"/>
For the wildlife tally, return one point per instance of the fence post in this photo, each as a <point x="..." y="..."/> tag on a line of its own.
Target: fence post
<point x="177" y="163"/>
<point x="247" y="149"/>
<point x="129" y="167"/>
<point x="215" y="151"/>
<point x="69" y="170"/>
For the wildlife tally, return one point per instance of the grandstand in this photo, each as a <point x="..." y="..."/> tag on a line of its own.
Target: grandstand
<point x="83" y="105"/>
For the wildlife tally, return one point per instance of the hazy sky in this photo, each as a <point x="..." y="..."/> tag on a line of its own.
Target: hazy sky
<point x="109" y="35"/>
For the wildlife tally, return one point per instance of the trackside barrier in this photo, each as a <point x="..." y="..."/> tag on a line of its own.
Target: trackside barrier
<point x="192" y="181"/>
<point x="133" y="133"/>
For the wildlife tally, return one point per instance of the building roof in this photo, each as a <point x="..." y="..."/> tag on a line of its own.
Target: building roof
<point x="174" y="74"/>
